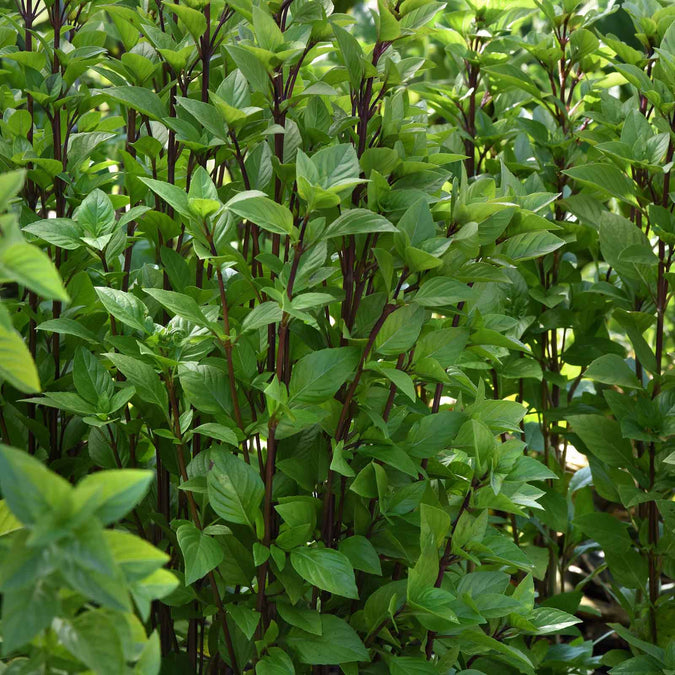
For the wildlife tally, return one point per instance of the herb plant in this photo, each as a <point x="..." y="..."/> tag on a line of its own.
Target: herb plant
<point x="337" y="336"/>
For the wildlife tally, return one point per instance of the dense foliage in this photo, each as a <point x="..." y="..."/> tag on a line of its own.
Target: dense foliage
<point x="337" y="339"/>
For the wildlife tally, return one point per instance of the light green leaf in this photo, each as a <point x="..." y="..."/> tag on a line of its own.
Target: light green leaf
<point x="28" y="266"/>
<point x="136" y="557"/>
<point x="400" y="379"/>
<point x="266" y="30"/>
<point x="16" y="363"/>
<point x="91" y="379"/>
<point x="276" y="662"/>
<point x="8" y="522"/>
<point x="252" y="68"/>
<point x="115" y="492"/>
<point x="91" y="638"/>
<point x="30" y="489"/>
<point x="194" y="20"/>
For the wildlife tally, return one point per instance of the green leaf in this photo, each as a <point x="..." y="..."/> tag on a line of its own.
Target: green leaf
<point x="389" y="28"/>
<point x="10" y="184"/>
<point x="30" y="489"/>
<point x="317" y="376"/>
<point x="180" y="304"/>
<point x="277" y="662"/>
<point x="142" y="99"/>
<point x="27" y="265"/>
<point x="124" y="306"/>
<point x="618" y="234"/>
<point x="262" y="315"/>
<point x="136" y="557"/>
<point x="266" y="30"/>
<point x="400" y="330"/>
<point x="92" y="638"/>
<point x="194" y="20"/>
<point x="258" y="208"/>
<point x="91" y="379"/>
<point x="550" y="620"/>
<point x="16" y="363"/>
<point x="235" y="489"/>
<point x="612" y="369"/>
<point x="352" y="54"/>
<point x="115" y="492"/>
<point x="247" y="619"/>
<point x="67" y="327"/>
<point x="176" y="198"/>
<point x="362" y="554"/>
<point x="400" y="379"/>
<point x="200" y="552"/>
<point x="144" y="378"/>
<point x="606" y="178"/>
<point x="206" y="114"/>
<point x="218" y="431"/>
<point x="336" y="166"/>
<point x="150" y="660"/>
<point x="358" y="221"/>
<point x="95" y="214"/>
<point x="8" y="522"/>
<point x="608" y="531"/>
<point x="338" y="643"/>
<point x="206" y="387"/>
<point x="82" y="145"/>
<point x="602" y="437"/>
<point x="530" y="245"/>
<point x="628" y="568"/>
<point x="638" y="665"/>
<point x="252" y="68"/>
<point x="443" y="291"/>
<point x="642" y="645"/>
<point x="327" y="569"/>
<point x="308" y="620"/>
<point x="62" y="232"/>
<point x="26" y="612"/>
<point x="65" y="400"/>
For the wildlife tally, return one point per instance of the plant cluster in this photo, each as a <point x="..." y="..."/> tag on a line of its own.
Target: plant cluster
<point x="337" y="337"/>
